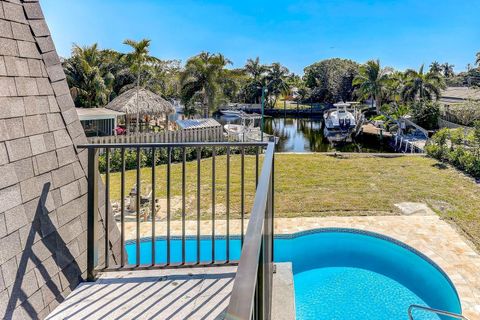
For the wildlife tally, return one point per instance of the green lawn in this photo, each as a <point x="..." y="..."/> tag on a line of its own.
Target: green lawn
<point x="320" y="185"/>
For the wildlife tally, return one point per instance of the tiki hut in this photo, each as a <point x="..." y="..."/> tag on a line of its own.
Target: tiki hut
<point x="152" y="109"/>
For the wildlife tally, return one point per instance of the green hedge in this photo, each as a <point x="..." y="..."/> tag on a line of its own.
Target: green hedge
<point x="146" y="156"/>
<point x="458" y="148"/>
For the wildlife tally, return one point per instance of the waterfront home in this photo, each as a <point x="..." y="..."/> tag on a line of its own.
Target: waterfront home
<point x="222" y="238"/>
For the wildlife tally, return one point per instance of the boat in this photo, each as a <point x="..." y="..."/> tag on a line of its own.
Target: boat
<point x="340" y="124"/>
<point x="247" y="131"/>
<point x="231" y="113"/>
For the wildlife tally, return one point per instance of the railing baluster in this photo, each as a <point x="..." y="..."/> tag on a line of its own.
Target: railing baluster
<point x="107" y="204"/>
<point x="92" y="214"/>
<point x="199" y="158"/>
<point x="137" y="208"/>
<point x="169" y="163"/>
<point x="154" y="160"/>
<point x="227" y="255"/>
<point x="122" y="210"/>
<point x="213" y="204"/>
<point x="256" y="166"/>
<point x="242" y="196"/>
<point x="184" y="159"/>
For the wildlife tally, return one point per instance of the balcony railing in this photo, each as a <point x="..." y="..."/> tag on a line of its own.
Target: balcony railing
<point x="251" y="295"/>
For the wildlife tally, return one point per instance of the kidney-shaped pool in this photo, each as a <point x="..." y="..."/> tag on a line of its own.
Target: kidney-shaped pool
<point x="340" y="273"/>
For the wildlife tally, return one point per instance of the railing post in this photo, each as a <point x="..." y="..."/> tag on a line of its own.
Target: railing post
<point x="92" y="214"/>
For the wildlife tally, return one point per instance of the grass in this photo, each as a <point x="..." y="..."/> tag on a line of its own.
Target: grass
<point x="321" y="185"/>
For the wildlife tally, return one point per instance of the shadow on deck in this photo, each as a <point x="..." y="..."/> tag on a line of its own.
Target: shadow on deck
<point x="197" y="293"/>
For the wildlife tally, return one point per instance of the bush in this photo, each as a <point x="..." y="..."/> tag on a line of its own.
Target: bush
<point x="426" y="114"/>
<point x="458" y="149"/>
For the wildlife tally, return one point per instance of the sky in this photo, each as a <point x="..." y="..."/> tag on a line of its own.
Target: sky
<point x="401" y="33"/>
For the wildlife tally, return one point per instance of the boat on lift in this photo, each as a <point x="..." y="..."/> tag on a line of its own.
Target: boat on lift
<point x="247" y="131"/>
<point x="340" y="124"/>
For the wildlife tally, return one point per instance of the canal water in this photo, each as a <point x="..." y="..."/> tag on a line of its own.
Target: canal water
<point x="306" y="135"/>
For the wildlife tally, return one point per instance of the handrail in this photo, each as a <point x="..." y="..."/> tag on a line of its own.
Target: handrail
<point x="173" y="144"/>
<point x="100" y="224"/>
<point x="437" y="311"/>
<point x="255" y="266"/>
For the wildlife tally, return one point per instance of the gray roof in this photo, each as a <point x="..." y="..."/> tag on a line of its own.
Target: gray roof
<point x="198" y="123"/>
<point x="150" y="103"/>
<point x="97" y="114"/>
<point x="459" y="94"/>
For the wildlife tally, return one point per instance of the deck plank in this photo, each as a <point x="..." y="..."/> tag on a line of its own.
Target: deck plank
<point x="196" y="293"/>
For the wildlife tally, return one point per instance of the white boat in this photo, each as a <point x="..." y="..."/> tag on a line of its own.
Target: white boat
<point x="340" y="124"/>
<point x="231" y="113"/>
<point x="247" y="131"/>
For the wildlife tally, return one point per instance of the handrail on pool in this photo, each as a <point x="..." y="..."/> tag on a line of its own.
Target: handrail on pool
<point x="437" y="311"/>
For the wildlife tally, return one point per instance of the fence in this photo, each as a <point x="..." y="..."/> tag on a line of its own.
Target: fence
<point x="213" y="134"/>
<point x="252" y="289"/>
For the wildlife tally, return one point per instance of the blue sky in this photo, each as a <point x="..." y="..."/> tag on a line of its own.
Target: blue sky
<point x="401" y="33"/>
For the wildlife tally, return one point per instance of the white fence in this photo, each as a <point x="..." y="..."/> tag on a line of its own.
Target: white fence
<point x="214" y="134"/>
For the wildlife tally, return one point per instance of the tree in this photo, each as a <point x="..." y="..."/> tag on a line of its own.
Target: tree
<point x="163" y="78"/>
<point x="276" y="82"/>
<point x="201" y="80"/>
<point x="435" y="67"/>
<point x="88" y="77"/>
<point x="448" y="70"/>
<point x="331" y="80"/>
<point x="422" y="86"/>
<point x="478" y="59"/>
<point x="138" y="61"/>
<point x="394" y="85"/>
<point x="255" y="69"/>
<point x="425" y="113"/>
<point x="257" y="72"/>
<point x="371" y="81"/>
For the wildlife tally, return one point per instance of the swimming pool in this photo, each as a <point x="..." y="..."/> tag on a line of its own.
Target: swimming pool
<point x="341" y="273"/>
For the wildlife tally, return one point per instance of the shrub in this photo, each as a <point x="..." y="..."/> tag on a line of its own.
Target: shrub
<point x="460" y="149"/>
<point x="426" y="113"/>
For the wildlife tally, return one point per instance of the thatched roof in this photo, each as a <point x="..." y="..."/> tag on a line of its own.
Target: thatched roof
<point x="149" y="103"/>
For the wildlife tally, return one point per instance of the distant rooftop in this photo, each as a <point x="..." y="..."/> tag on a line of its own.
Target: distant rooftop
<point x="97" y="113"/>
<point x="198" y="123"/>
<point x="459" y="94"/>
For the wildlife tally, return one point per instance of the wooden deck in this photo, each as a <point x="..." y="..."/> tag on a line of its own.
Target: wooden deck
<point x="197" y="293"/>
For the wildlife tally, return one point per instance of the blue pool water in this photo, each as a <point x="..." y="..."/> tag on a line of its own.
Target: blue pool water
<point x="340" y="274"/>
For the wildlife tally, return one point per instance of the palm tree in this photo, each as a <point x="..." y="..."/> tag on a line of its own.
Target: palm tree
<point x="276" y="81"/>
<point x="257" y="72"/>
<point x="371" y="81"/>
<point x="422" y="86"/>
<point x="88" y="76"/>
<point x="448" y="70"/>
<point x="394" y="86"/>
<point x="201" y="79"/>
<point x="138" y="61"/>
<point x="435" y="67"/>
<point x="255" y="69"/>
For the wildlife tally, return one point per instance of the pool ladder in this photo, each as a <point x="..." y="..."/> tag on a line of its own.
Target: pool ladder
<point x="432" y="310"/>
